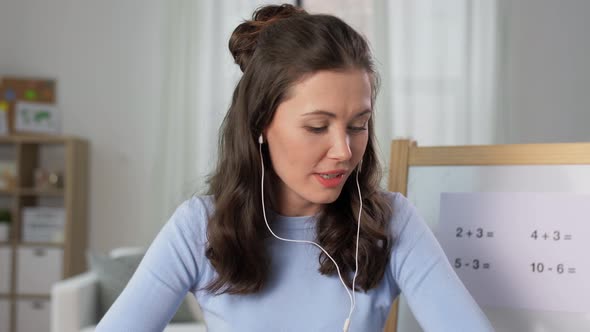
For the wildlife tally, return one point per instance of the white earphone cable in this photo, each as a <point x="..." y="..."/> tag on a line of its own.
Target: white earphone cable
<point x="350" y="295"/>
<point x="358" y="232"/>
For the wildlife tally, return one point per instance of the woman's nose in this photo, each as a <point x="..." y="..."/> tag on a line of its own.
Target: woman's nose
<point x="340" y="149"/>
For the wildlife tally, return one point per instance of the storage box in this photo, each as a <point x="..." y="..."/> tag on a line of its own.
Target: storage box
<point x="5" y="270"/>
<point x="38" y="269"/>
<point x="33" y="315"/>
<point x="4" y="232"/>
<point x="43" y="224"/>
<point x="4" y="315"/>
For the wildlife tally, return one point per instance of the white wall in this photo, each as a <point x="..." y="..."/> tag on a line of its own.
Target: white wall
<point x="106" y="56"/>
<point x="545" y="81"/>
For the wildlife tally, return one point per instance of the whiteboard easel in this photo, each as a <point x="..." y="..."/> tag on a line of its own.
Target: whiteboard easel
<point x="423" y="173"/>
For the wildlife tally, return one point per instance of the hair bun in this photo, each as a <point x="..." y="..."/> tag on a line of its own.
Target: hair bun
<point x="242" y="42"/>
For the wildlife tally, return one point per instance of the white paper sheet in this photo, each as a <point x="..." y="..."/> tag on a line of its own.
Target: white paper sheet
<point x="520" y="250"/>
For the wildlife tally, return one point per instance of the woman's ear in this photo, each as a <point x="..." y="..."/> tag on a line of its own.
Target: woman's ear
<point x="263" y="136"/>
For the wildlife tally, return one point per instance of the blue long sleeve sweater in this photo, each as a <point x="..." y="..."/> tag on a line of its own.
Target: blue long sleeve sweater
<point x="297" y="297"/>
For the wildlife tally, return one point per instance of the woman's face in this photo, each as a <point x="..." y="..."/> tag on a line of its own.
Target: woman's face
<point x="317" y="137"/>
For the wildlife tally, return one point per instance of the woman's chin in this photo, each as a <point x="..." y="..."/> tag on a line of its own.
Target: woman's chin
<point x="328" y="198"/>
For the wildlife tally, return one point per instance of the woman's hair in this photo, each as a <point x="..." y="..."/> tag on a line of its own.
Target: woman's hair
<point x="279" y="47"/>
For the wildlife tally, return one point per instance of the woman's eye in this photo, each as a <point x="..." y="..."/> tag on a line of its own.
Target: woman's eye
<point x="316" y="130"/>
<point x="357" y="129"/>
<point x="319" y="130"/>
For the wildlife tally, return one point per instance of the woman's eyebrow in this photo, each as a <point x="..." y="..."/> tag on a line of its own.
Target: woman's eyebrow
<point x="332" y="115"/>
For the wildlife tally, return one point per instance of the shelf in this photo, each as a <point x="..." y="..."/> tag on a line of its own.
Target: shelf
<point x="33" y="192"/>
<point x="40" y="244"/>
<point x="31" y="244"/>
<point x="30" y="269"/>
<point x="32" y="296"/>
<point x="40" y="192"/>
<point x="34" y="139"/>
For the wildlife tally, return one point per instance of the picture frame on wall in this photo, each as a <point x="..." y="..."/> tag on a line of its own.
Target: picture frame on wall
<point x="23" y="89"/>
<point x="37" y="118"/>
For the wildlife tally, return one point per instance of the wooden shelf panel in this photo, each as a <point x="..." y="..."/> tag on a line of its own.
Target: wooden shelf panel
<point x="41" y="192"/>
<point x="31" y="244"/>
<point x="33" y="192"/>
<point x="34" y="139"/>
<point x="40" y="244"/>
<point x="32" y="296"/>
<point x="8" y="191"/>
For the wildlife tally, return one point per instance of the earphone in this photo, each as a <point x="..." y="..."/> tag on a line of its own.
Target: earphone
<point x="351" y="296"/>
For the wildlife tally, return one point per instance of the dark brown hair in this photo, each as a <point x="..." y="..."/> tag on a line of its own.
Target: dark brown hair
<point x="280" y="46"/>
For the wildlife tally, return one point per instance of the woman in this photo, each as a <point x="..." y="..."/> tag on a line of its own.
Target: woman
<point x="297" y="162"/>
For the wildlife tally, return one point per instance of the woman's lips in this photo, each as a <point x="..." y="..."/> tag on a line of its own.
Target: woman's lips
<point x="332" y="181"/>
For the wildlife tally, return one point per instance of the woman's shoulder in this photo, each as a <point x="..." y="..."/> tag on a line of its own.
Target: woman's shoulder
<point x="400" y="205"/>
<point x="193" y="214"/>
<point x="198" y="204"/>
<point x="404" y="213"/>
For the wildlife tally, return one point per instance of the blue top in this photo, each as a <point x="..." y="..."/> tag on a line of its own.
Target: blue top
<point x="297" y="297"/>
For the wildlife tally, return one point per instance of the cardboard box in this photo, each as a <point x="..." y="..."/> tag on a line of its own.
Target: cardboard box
<point x="43" y="224"/>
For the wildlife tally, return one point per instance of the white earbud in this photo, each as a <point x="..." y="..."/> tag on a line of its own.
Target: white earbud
<point x="356" y="259"/>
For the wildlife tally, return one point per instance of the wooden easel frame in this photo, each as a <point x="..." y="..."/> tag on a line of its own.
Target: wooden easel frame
<point x="405" y="153"/>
